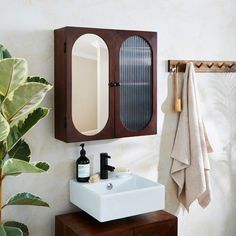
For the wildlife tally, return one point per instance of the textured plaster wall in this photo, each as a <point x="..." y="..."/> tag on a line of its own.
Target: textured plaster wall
<point x="187" y="29"/>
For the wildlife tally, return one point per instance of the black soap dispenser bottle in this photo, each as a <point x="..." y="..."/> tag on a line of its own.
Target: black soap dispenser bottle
<point x="82" y="166"/>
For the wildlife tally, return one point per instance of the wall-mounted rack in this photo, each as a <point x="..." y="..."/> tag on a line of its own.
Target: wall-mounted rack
<point x="203" y="66"/>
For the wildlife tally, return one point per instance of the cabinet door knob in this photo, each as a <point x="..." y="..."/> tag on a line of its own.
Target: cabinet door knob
<point x="114" y="84"/>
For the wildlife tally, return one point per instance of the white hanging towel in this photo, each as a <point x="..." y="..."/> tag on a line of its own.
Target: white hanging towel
<point x="190" y="166"/>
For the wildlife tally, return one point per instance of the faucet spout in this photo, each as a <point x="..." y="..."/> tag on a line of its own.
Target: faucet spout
<point x="110" y="168"/>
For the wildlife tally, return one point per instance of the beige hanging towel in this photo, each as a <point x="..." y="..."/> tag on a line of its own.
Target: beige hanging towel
<point x="190" y="166"/>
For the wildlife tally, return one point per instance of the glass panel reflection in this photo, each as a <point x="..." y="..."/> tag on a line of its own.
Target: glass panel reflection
<point x="90" y="91"/>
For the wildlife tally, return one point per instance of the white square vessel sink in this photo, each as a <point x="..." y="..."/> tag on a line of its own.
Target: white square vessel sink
<point x="117" y="198"/>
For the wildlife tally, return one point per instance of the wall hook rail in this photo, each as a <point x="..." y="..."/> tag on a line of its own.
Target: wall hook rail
<point x="203" y="66"/>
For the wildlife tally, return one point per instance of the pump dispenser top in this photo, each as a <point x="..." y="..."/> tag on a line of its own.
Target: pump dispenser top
<point x="82" y="151"/>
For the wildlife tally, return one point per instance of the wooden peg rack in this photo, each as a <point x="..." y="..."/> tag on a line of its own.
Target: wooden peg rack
<point x="203" y="66"/>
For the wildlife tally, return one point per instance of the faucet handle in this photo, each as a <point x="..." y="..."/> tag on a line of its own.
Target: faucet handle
<point x="104" y="155"/>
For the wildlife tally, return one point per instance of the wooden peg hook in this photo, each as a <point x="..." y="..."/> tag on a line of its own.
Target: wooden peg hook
<point x="220" y="65"/>
<point x="231" y="65"/>
<point x="198" y="65"/>
<point x="209" y="65"/>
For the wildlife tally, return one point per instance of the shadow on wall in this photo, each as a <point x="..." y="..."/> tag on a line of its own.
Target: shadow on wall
<point x="36" y="46"/>
<point x="167" y="139"/>
<point x="220" y="118"/>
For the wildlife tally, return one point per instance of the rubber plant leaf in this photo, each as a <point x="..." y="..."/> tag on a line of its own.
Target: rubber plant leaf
<point x="42" y="165"/>
<point x="20" y="151"/>
<point x="23" y="100"/>
<point x="18" y="225"/>
<point x="2" y="231"/>
<point x="4" y="53"/>
<point x="4" y="128"/>
<point x="26" y="199"/>
<point x="14" y="167"/>
<point x="19" y="130"/>
<point x="12" y="231"/>
<point x="38" y="80"/>
<point x="13" y="73"/>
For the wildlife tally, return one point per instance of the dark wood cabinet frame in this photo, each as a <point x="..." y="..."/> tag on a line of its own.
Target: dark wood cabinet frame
<point x="64" y="40"/>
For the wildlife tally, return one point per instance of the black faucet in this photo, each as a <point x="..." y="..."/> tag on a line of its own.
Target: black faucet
<point x="104" y="167"/>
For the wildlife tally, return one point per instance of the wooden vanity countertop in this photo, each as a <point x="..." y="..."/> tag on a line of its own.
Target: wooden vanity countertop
<point x="158" y="223"/>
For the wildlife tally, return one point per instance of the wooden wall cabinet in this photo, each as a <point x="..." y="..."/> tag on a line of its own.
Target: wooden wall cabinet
<point x="131" y="84"/>
<point x="159" y="223"/>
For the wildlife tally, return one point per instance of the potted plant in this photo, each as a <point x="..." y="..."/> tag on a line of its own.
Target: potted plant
<point x="20" y="96"/>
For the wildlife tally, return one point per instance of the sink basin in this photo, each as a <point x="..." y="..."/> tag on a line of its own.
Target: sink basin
<point x="117" y="198"/>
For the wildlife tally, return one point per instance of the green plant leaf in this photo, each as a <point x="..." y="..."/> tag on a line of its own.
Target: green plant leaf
<point x="42" y="165"/>
<point x="12" y="231"/>
<point x="13" y="73"/>
<point x="37" y="79"/>
<point x="4" y="128"/>
<point x="24" y="99"/>
<point x="1" y="98"/>
<point x="14" y="167"/>
<point x="19" y="130"/>
<point x="26" y="199"/>
<point x="20" y="151"/>
<point x="4" y="53"/>
<point x="18" y="225"/>
<point x="2" y="231"/>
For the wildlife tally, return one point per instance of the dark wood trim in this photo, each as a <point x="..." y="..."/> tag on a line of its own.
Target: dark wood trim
<point x="64" y="41"/>
<point x="60" y="84"/>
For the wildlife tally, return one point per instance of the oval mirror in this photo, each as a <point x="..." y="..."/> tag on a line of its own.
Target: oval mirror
<point x="90" y="78"/>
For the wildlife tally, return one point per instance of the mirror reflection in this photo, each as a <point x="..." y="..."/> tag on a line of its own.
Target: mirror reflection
<point x="90" y="78"/>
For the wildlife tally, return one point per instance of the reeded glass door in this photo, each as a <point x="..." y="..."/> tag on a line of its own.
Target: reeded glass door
<point x="135" y="77"/>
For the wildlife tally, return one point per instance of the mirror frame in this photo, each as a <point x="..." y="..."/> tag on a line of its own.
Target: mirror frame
<point x="64" y="39"/>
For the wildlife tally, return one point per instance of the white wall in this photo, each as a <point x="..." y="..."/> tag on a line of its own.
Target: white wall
<point x="187" y="29"/>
